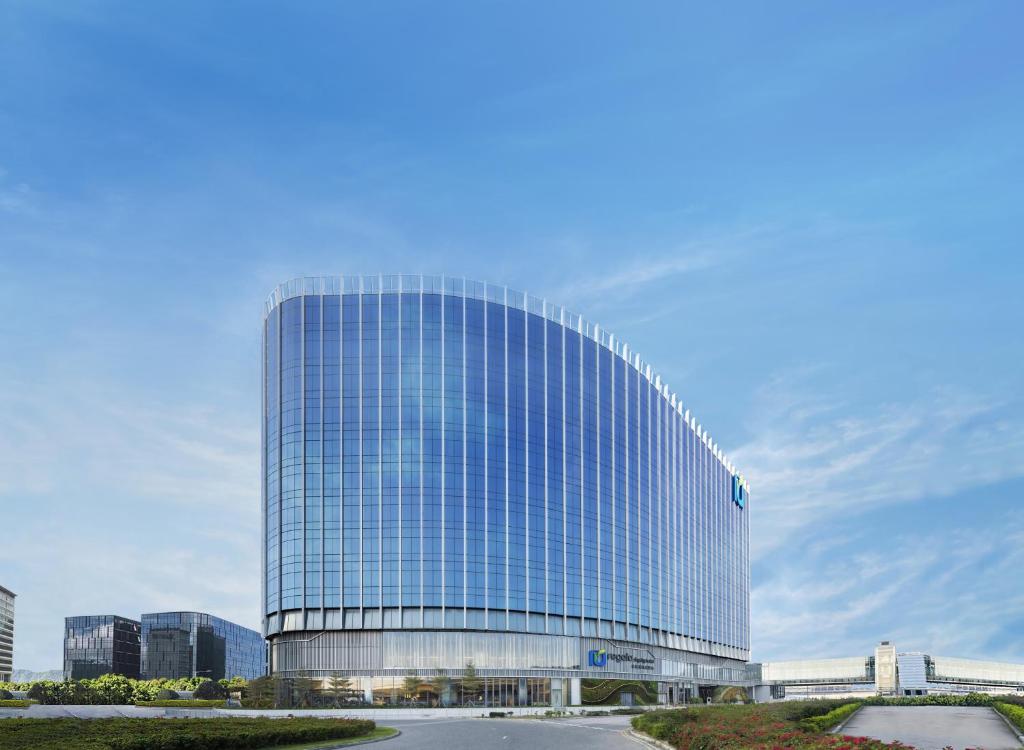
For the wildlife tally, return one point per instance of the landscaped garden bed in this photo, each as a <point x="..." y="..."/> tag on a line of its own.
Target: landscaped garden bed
<point x="174" y="734"/>
<point x="791" y="724"/>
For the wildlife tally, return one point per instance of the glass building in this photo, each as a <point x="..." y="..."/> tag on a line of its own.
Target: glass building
<point x="456" y="472"/>
<point x="195" y="644"/>
<point x="95" y="645"/>
<point x="6" y="634"/>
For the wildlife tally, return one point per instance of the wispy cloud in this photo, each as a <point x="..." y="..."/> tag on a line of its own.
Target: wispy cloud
<point x="16" y="197"/>
<point x="137" y="506"/>
<point x="184" y="454"/>
<point x="841" y="556"/>
<point x="628" y="280"/>
<point x="944" y="592"/>
<point x="815" y="456"/>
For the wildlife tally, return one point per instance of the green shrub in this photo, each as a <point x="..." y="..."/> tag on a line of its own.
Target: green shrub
<point x="164" y="695"/>
<point x="662" y="725"/>
<point x="112" y="689"/>
<point x="210" y="691"/>
<point x="12" y="703"/>
<point x="826" y="722"/>
<point x="1012" y="712"/>
<point x="182" y="703"/>
<point x="173" y="734"/>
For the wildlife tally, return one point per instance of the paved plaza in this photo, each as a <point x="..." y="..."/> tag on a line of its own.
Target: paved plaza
<point x="934" y="727"/>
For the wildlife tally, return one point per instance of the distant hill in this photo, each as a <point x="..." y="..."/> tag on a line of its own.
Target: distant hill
<point x="25" y="675"/>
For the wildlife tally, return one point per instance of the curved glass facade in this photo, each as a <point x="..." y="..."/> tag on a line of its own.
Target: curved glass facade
<point x="440" y="454"/>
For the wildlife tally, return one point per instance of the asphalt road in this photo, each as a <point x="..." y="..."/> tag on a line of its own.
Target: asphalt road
<point x="591" y="733"/>
<point x="933" y="727"/>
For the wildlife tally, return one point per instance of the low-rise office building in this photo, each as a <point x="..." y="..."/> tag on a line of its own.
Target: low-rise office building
<point x="886" y="672"/>
<point x="196" y="644"/>
<point x="6" y="634"/>
<point x="95" y="645"/>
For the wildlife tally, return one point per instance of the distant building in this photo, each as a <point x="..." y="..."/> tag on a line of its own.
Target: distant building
<point x="887" y="672"/>
<point x="6" y="634"/>
<point x="101" y="644"/>
<point x="195" y="644"/>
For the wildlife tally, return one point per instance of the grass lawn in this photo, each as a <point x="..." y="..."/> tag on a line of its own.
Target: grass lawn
<point x="227" y="733"/>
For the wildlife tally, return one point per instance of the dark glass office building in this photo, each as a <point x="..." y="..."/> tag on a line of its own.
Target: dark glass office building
<point x="455" y="471"/>
<point x="195" y="644"/>
<point x="95" y="645"/>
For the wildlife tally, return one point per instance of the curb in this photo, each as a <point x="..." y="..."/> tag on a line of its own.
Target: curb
<point x="1011" y="726"/>
<point x="397" y="733"/>
<point x="842" y="725"/>
<point x="646" y="739"/>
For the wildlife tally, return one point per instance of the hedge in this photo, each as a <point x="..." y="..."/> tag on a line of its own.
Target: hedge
<point x="833" y="718"/>
<point x="11" y="703"/>
<point x="970" y="699"/>
<point x="173" y="734"/>
<point x="1012" y="712"/>
<point x="181" y="703"/>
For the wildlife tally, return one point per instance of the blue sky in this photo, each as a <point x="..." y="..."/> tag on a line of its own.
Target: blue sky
<point x="807" y="217"/>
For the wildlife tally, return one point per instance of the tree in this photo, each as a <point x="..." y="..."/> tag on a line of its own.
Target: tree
<point x="471" y="682"/>
<point x="260" y="693"/>
<point x="441" y="683"/>
<point x="235" y="685"/>
<point x="338" y="687"/>
<point x="301" y="691"/>
<point x="411" y="685"/>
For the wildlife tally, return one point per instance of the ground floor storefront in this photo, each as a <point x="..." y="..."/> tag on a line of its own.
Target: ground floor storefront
<point x="441" y="691"/>
<point x="494" y="669"/>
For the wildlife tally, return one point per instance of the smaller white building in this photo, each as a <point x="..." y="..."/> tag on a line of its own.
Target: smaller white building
<point x="887" y="672"/>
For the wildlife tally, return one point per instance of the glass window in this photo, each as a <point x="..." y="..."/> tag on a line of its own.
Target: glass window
<point x="454" y="454"/>
<point x="497" y="521"/>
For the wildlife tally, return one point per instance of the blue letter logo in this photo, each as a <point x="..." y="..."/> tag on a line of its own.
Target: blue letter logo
<point x="597" y="657"/>
<point x="739" y="492"/>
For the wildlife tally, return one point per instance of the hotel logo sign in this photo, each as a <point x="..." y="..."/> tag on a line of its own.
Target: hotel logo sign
<point x="633" y="660"/>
